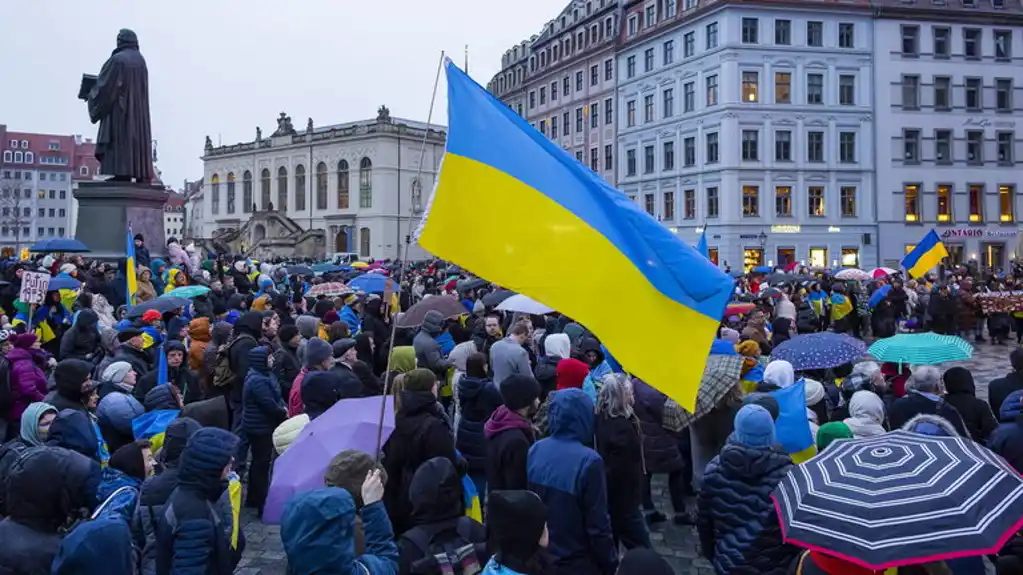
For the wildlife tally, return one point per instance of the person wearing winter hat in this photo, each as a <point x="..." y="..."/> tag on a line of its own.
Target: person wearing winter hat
<point x="178" y="374"/>
<point x="571" y="373"/>
<point x="142" y="256"/>
<point x="27" y="381"/>
<point x="114" y="415"/>
<point x="74" y="386"/>
<point x="118" y="376"/>
<point x="286" y="362"/>
<point x="329" y="317"/>
<point x="129" y="466"/>
<point x="831" y="431"/>
<point x="510" y="433"/>
<point x="151" y="316"/>
<point x="735" y="515"/>
<point x="131" y="351"/>
<point x="262" y="412"/>
<point x="517" y="525"/>
<point x="319" y="356"/>
<point x="190" y="533"/>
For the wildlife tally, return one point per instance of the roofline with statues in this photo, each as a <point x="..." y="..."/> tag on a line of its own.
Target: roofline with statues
<point x="286" y="136"/>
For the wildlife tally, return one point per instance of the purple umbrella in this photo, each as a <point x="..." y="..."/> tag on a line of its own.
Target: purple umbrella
<point x="349" y="424"/>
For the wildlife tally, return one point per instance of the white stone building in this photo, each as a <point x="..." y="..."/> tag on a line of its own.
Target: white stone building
<point x="948" y="140"/>
<point x="754" y="122"/>
<point x="343" y="188"/>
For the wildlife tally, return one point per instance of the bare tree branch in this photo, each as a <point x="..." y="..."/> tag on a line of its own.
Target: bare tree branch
<point x="15" y="207"/>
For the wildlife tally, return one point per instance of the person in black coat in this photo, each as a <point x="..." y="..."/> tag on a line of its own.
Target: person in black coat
<point x="263" y="410"/>
<point x="353" y="371"/>
<point x="478" y="399"/>
<point x="923" y="396"/>
<point x="438" y="517"/>
<point x="620" y="445"/>
<point x="1007" y="439"/>
<point x="131" y="351"/>
<point x="178" y="374"/>
<point x="510" y="433"/>
<point x="81" y="341"/>
<point x="377" y="326"/>
<point x="247" y="333"/>
<point x="286" y="363"/>
<point x="142" y="257"/>
<point x="961" y="393"/>
<point x="421" y="432"/>
<point x="74" y="388"/>
<point x="1000" y="388"/>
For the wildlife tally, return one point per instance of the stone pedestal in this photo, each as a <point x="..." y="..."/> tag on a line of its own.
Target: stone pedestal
<point x="106" y="208"/>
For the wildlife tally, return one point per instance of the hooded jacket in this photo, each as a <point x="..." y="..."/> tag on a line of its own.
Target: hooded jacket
<point x="98" y="547"/>
<point x="738" y="527"/>
<point x="220" y="335"/>
<point x="68" y="376"/>
<point x="73" y="430"/>
<point x="1007" y="439"/>
<point x="145" y="291"/>
<point x="428" y="352"/>
<point x="507" y="358"/>
<point x="866" y="415"/>
<point x="200" y="332"/>
<point x="247" y="332"/>
<point x="52" y="485"/>
<point x="180" y="377"/>
<point x="318" y="533"/>
<point x="556" y="348"/>
<point x="509" y="437"/>
<point x="961" y="393"/>
<point x="81" y="340"/>
<point x="569" y="478"/>
<point x="478" y="399"/>
<point x="263" y="407"/>
<point x="27" y="380"/>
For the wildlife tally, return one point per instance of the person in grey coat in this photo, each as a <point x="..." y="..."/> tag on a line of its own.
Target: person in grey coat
<point x="428" y="352"/>
<point x="508" y="357"/>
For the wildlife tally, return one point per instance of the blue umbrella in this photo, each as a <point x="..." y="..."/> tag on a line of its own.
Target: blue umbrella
<point x="921" y="348"/>
<point x="63" y="281"/>
<point x="878" y="295"/>
<point x="187" y="292"/>
<point x="763" y="270"/>
<point x="372" y="283"/>
<point x="819" y="350"/>
<point x="65" y="245"/>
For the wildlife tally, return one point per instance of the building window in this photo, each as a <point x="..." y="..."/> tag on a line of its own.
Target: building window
<point x="62" y="212"/>
<point x="815" y="146"/>
<point x="910" y="146"/>
<point x="532" y="100"/>
<point x="943" y="146"/>
<point x="749" y="30"/>
<point x="783" y="146"/>
<point x="944" y="197"/>
<point x="688" y="44"/>
<point x="648" y="108"/>
<point x="689" y="97"/>
<point x="543" y="95"/>
<point x="912" y="201"/>
<point x="554" y="127"/>
<point x="783" y="32"/>
<point x="1003" y="44"/>
<point x="712" y="35"/>
<point x="972" y="89"/>
<point x="815" y="201"/>
<point x="264" y="189"/>
<point x="847" y="90"/>
<point x="689" y="151"/>
<point x="712" y="148"/>
<point x="942" y="47"/>
<point x="282" y="189"/>
<point x="648" y="204"/>
<point x="819" y="257"/>
<point x="543" y="127"/>
<point x="910" y="40"/>
<point x="975" y="147"/>
<point x="668" y="52"/>
<point x="247" y="192"/>
<point x="364" y="242"/>
<point x="1005" y="144"/>
<point x="942" y="93"/>
<point x="594" y="75"/>
<point x="595" y="159"/>
<point x="782" y="88"/>
<point x="321" y="186"/>
<point x="579" y="81"/>
<point x="630" y="67"/>
<point x="976" y="194"/>
<point x="214" y="194"/>
<point x="689" y="204"/>
<point x="971" y="43"/>
<point x="300" y="191"/>
<point x="815" y="33"/>
<point x="750" y="145"/>
<point x="565" y="123"/>
<point x="847" y="199"/>
<point x="750" y="201"/>
<point x="608" y="112"/>
<point x="669" y="207"/>
<point x="712" y="90"/>
<point x="1006" y="203"/>
<point x="19" y="157"/>
<point x="566" y="86"/>
<point x="630" y="162"/>
<point x="846" y="35"/>
<point x="648" y="159"/>
<point x="608" y="157"/>
<point x="8" y="157"/>
<point x="668" y="162"/>
<point x="578" y="120"/>
<point x="847" y="147"/>
<point x="668" y="103"/>
<point x="815" y="88"/>
<point x="712" y="202"/>
<point x="783" y="201"/>
<point x="648" y="60"/>
<point x="230" y="192"/>
<point x="609" y="66"/>
<point x="750" y="86"/>
<point x="365" y="183"/>
<point x="1003" y="94"/>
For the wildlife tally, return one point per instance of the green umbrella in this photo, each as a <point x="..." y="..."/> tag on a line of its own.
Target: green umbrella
<point x="921" y="349"/>
<point x="187" y="292"/>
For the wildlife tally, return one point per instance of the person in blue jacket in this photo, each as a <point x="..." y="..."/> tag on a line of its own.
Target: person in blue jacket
<point x="350" y="314"/>
<point x="263" y="409"/>
<point x="569" y="478"/>
<point x="318" y="532"/>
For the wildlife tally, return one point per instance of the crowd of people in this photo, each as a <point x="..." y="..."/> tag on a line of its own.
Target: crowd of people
<point x="134" y="427"/>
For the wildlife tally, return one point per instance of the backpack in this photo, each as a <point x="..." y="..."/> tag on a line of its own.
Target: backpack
<point x="6" y="397"/>
<point x="223" y="375"/>
<point x="446" y="548"/>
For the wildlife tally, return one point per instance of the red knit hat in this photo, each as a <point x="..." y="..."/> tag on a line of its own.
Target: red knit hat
<point x="151" y="315"/>
<point x="24" y="340"/>
<point x="330" y="317"/>
<point x="571" y="373"/>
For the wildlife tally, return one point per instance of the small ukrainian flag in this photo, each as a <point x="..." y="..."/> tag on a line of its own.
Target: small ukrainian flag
<point x="925" y="256"/>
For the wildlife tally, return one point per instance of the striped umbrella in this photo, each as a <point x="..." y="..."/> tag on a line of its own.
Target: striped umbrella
<point x="328" y="289"/>
<point x="901" y="499"/>
<point x="921" y="348"/>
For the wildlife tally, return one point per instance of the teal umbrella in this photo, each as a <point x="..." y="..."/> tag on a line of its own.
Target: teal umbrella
<point x="921" y="349"/>
<point x="187" y="292"/>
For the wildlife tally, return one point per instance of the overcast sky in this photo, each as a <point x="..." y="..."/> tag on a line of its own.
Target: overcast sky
<point x="222" y="67"/>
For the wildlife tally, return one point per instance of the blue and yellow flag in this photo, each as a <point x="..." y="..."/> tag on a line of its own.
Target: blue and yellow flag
<point x="925" y="256"/>
<point x="161" y="373"/>
<point x="701" y="245"/>
<point x="496" y="163"/>
<point x="129" y="267"/>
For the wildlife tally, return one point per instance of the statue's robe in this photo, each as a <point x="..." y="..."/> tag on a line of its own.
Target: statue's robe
<point x="120" y="103"/>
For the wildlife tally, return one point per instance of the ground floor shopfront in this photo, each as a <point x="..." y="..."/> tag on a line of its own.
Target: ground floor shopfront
<point x="991" y="246"/>
<point x="744" y="247"/>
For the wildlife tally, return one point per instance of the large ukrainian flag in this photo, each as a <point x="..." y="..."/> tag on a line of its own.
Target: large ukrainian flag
<point x="925" y="256"/>
<point x="514" y="208"/>
<point x="129" y="267"/>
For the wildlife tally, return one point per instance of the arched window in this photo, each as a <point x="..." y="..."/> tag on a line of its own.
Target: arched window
<point x="29" y="157"/>
<point x="215" y="194"/>
<point x="8" y="156"/>
<point x="264" y="189"/>
<point x="364" y="240"/>
<point x="246" y="192"/>
<point x="19" y="157"/>
<point x="417" y="196"/>
<point x="300" y="188"/>
<point x="365" y="183"/>
<point x="282" y="189"/>
<point x="321" y="186"/>
<point x="342" y="185"/>
<point x="230" y="192"/>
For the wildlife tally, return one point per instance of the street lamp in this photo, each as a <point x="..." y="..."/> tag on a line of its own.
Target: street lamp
<point x="763" y="241"/>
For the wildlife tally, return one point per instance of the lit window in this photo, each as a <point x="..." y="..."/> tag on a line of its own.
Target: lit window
<point x="1006" y="203"/>
<point x="750" y="86"/>
<point x="750" y="201"/>
<point x="976" y="203"/>
<point x="944" y="203"/>
<point x="912" y="199"/>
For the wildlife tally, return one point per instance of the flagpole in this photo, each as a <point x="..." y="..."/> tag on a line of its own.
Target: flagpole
<point x="403" y="259"/>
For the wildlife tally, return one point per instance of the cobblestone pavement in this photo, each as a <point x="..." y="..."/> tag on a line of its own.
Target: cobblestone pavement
<point x="264" y="553"/>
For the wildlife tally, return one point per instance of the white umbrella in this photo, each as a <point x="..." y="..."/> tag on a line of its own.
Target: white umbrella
<point x="852" y="274"/>
<point x="524" y="304"/>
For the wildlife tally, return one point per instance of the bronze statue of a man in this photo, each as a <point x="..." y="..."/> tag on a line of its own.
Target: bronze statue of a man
<point x="119" y="100"/>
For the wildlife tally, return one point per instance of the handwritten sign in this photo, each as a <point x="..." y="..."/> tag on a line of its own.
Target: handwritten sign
<point x="33" y="287"/>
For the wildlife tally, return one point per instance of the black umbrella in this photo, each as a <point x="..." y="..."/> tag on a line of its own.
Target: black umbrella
<point x="446" y="305"/>
<point x="300" y="270"/>
<point x="466" y="285"/>
<point x="162" y="305"/>
<point x="495" y="298"/>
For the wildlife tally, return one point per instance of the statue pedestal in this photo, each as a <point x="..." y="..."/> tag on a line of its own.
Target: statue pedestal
<point x="106" y="208"/>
